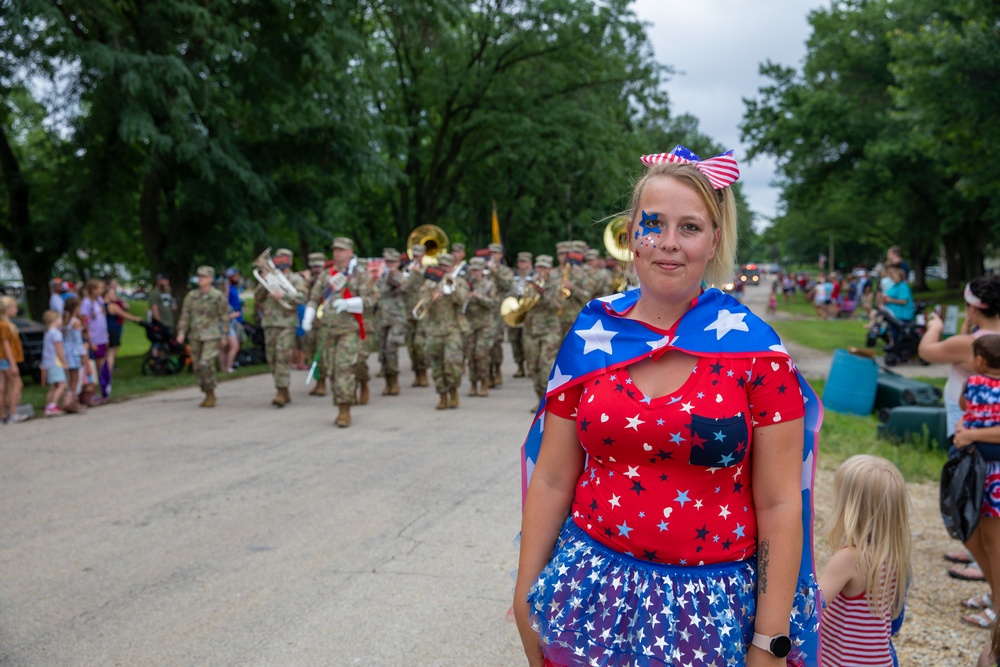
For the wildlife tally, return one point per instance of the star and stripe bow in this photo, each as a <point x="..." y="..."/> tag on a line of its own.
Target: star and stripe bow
<point x="721" y="170"/>
<point x="717" y="325"/>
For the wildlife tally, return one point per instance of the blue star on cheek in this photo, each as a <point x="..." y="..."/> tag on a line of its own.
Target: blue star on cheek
<point x="648" y="230"/>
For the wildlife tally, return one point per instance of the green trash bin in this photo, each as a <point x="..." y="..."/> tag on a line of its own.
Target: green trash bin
<point x="893" y="390"/>
<point x="902" y="423"/>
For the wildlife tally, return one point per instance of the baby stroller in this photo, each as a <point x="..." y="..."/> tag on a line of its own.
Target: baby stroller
<point x="165" y="356"/>
<point x="902" y="338"/>
<point x="255" y="352"/>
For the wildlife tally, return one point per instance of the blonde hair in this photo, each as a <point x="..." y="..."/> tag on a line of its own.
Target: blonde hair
<point x="721" y="207"/>
<point x="871" y="511"/>
<point x="5" y="303"/>
<point x="50" y="316"/>
<point x="90" y="288"/>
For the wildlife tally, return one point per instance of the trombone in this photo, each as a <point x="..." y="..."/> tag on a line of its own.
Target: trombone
<point x="446" y="287"/>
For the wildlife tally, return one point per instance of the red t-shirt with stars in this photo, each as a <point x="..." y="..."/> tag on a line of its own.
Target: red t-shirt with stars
<point x="667" y="478"/>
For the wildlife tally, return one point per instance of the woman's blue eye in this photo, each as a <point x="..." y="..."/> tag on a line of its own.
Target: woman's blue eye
<point x="649" y="220"/>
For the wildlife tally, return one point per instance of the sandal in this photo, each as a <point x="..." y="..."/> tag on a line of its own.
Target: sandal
<point x="984" y="620"/>
<point x="961" y="556"/>
<point x="966" y="573"/>
<point x="979" y="602"/>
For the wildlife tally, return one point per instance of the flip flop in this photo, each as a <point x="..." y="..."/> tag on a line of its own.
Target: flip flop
<point x="984" y="620"/>
<point x="979" y="602"/>
<point x="961" y="556"/>
<point x="966" y="573"/>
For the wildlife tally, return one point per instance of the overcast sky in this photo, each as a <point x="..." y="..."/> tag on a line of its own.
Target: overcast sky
<point x="716" y="48"/>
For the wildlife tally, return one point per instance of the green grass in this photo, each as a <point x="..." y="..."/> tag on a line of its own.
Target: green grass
<point x="129" y="381"/>
<point x="824" y="336"/>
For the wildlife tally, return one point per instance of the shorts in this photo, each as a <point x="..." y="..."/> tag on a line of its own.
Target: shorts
<point x="55" y="375"/>
<point x="4" y="365"/>
<point x="98" y="351"/>
<point x="593" y="605"/>
<point x="114" y="337"/>
<point x="72" y="361"/>
<point x="233" y="333"/>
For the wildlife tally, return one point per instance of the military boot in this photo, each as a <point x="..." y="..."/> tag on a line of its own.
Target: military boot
<point x="320" y="388"/>
<point x="497" y="377"/>
<point x="363" y="393"/>
<point x="453" y="398"/>
<point x="209" y="401"/>
<point x="422" y="376"/>
<point x="286" y="394"/>
<point x="472" y="390"/>
<point x="442" y="402"/>
<point x="520" y="370"/>
<point x="388" y="386"/>
<point x="343" y="419"/>
<point x="279" y="398"/>
<point x="483" y="390"/>
<point x="394" y="388"/>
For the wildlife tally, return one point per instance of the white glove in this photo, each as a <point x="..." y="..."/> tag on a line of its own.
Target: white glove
<point x="307" y="319"/>
<point x="354" y="305"/>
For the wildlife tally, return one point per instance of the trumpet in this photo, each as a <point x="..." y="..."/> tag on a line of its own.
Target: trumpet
<point x="445" y="287"/>
<point x="271" y="279"/>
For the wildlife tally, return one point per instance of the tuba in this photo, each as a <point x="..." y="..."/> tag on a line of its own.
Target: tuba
<point x="271" y="279"/>
<point x="433" y="238"/>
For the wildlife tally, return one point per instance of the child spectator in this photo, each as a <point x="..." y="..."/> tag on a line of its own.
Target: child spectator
<point x="772" y="301"/>
<point x="11" y="354"/>
<point x="865" y="311"/>
<point x="53" y="362"/>
<point x="76" y="352"/>
<point x="864" y="582"/>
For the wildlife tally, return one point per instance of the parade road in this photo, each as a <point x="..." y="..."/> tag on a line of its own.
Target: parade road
<point x="153" y="532"/>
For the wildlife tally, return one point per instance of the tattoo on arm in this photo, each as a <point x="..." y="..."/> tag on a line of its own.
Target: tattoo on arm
<point x="762" y="561"/>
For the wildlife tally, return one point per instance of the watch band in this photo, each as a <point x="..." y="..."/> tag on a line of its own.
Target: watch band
<point x="766" y="643"/>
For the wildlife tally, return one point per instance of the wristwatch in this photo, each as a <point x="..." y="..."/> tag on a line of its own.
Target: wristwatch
<point x="779" y="645"/>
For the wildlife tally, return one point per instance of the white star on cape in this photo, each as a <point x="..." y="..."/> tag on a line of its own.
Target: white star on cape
<point x="557" y="380"/>
<point x="597" y="338"/>
<point x="727" y="322"/>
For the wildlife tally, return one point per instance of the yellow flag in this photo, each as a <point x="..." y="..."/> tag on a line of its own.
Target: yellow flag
<point x="496" y="225"/>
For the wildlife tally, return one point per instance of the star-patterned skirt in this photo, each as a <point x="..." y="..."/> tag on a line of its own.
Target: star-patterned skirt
<point x="595" y="607"/>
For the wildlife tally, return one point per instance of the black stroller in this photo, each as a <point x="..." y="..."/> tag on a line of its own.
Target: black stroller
<point x="165" y="356"/>
<point x="902" y="338"/>
<point x="254" y="352"/>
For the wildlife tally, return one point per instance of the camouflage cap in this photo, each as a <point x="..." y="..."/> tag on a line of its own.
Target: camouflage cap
<point x="316" y="259"/>
<point x="458" y="247"/>
<point x="418" y="249"/>
<point x="343" y="243"/>
<point x="579" y="246"/>
<point x="206" y="271"/>
<point x="564" y="246"/>
<point x="495" y="247"/>
<point x="477" y="263"/>
<point x="390" y="254"/>
<point x="592" y="253"/>
<point x="525" y="256"/>
<point x="445" y="259"/>
<point x="543" y="262"/>
<point x="282" y="252"/>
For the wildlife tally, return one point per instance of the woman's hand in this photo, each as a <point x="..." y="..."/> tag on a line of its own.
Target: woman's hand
<point x="529" y="638"/>
<point x="964" y="436"/>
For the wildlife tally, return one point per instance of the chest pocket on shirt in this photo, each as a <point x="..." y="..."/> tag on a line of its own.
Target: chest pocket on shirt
<point x="718" y="443"/>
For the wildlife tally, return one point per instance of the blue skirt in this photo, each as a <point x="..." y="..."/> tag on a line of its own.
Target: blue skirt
<point x="596" y="607"/>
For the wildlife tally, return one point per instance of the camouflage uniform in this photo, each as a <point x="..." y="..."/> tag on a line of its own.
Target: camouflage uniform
<point x="364" y="285"/>
<point x="340" y="340"/>
<point x="444" y="325"/>
<point x="316" y="263"/>
<point x="600" y="278"/>
<point x="515" y="335"/>
<point x="480" y="311"/>
<point x="503" y="279"/>
<point x="416" y="338"/>
<point x="279" y="324"/>
<point x="581" y="288"/>
<point x="542" y="333"/>
<point x="203" y="321"/>
<point x="390" y="322"/>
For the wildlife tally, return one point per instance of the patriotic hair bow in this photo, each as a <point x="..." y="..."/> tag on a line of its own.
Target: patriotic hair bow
<point x="721" y="170"/>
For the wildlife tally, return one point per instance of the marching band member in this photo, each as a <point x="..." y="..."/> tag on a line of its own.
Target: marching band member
<point x="317" y="261"/>
<point x="502" y="277"/>
<point x="597" y="272"/>
<point x="204" y="315"/>
<point x="444" y="325"/>
<point x="390" y="319"/>
<point x="416" y="341"/>
<point x="279" y="316"/>
<point x="525" y="273"/>
<point x="343" y="298"/>
<point x="542" y="334"/>
<point x="481" y="309"/>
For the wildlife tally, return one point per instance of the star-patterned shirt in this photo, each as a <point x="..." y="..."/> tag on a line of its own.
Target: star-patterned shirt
<point x="667" y="478"/>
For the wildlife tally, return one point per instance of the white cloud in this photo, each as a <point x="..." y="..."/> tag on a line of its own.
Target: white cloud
<point x="716" y="48"/>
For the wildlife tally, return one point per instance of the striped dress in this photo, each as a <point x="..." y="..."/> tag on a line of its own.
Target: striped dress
<point x="851" y="636"/>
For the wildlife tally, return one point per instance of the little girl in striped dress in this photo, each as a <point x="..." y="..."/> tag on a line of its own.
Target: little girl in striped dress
<point x="864" y="582"/>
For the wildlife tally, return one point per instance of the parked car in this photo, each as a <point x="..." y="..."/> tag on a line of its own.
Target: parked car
<point x="32" y="333"/>
<point x="749" y="274"/>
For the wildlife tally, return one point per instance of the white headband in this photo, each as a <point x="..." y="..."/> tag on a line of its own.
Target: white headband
<point x="972" y="299"/>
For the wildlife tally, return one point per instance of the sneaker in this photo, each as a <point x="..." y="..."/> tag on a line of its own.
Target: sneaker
<point x="53" y="411"/>
<point x="17" y="417"/>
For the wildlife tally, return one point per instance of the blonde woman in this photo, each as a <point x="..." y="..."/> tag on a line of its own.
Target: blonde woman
<point x="865" y="581"/>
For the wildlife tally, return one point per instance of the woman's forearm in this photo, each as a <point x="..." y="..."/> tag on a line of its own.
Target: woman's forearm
<point x="779" y="551"/>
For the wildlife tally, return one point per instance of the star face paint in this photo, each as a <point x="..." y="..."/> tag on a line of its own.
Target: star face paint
<point x="649" y="226"/>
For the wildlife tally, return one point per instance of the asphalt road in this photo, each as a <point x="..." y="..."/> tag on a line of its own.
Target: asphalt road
<point x="152" y="532"/>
